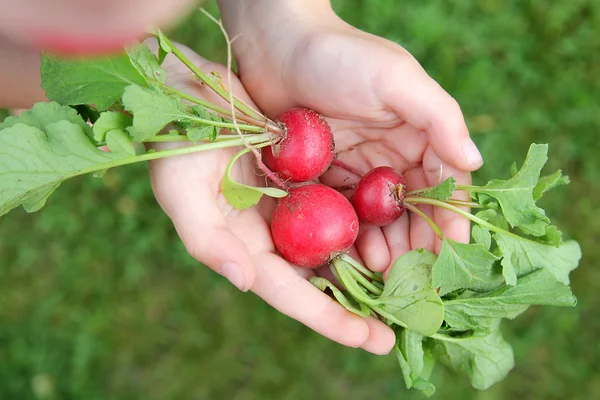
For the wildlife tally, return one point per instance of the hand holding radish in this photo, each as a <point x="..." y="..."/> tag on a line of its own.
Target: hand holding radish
<point x="382" y="107"/>
<point x="357" y="114"/>
<point x="238" y="244"/>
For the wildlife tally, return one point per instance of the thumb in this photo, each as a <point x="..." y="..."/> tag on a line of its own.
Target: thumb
<point x="188" y="200"/>
<point x="421" y="102"/>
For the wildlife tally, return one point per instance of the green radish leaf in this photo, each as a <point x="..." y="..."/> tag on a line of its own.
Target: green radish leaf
<point x="146" y="62"/>
<point x="515" y="195"/>
<point x="119" y="141"/>
<point x="163" y="47"/>
<point x="536" y="288"/>
<point x="197" y="132"/>
<point x="42" y="114"/>
<point x="100" y="174"/>
<point x="415" y="361"/>
<point x="486" y="201"/>
<point x="408" y="295"/>
<point x="514" y="169"/>
<point x="98" y="81"/>
<point x="465" y="266"/>
<point x="108" y="121"/>
<point x="548" y="182"/>
<point x="553" y="236"/>
<point x="204" y="113"/>
<point x="242" y="196"/>
<point x="87" y="113"/>
<point x="203" y="132"/>
<point x="522" y="256"/>
<point x="152" y="111"/>
<point x="349" y="303"/>
<point x="481" y="235"/>
<point x="486" y="358"/>
<point x="494" y="217"/>
<point x="442" y="192"/>
<point x="33" y="162"/>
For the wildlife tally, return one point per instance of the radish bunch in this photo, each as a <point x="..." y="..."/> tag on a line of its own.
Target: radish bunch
<point x="315" y="223"/>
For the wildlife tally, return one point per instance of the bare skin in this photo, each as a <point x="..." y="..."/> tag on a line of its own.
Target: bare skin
<point x="384" y="110"/>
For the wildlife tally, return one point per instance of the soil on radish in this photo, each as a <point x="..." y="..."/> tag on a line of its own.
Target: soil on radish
<point x="307" y="149"/>
<point x="379" y="195"/>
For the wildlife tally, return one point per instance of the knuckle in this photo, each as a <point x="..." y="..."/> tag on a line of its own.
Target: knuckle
<point x="337" y="317"/>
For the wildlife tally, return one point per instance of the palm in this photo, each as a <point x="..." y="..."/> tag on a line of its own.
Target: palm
<point x="345" y="75"/>
<point x="188" y="189"/>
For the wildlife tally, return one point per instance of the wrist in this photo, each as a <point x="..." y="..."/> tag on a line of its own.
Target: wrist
<point x="262" y="26"/>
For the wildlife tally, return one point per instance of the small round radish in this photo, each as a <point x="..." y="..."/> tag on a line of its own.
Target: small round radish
<point x="306" y="151"/>
<point x="379" y="195"/>
<point x="313" y="224"/>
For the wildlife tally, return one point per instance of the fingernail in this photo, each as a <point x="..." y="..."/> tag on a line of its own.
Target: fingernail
<point x="472" y="154"/>
<point x="236" y="275"/>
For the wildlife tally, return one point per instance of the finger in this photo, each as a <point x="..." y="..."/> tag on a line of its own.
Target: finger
<point x="281" y="287"/>
<point x="381" y="338"/>
<point x="422" y="102"/>
<point x="454" y="226"/>
<point x="372" y="247"/>
<point x="421" y="234"/>
<point x="397" y="237"/>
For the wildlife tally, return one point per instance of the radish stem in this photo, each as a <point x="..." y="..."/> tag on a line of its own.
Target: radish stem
<point x="343" y="165"/>
<point x="210" y="82"/>
<point x="432" y="224"/>
<point x="439" y="203"/>
<point x="360" y="268"/>
<point x="365" y="282"/>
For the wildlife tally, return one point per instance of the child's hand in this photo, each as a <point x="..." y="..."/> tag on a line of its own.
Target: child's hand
<point x="383" y="107"/>
<point x="237" y="243"/>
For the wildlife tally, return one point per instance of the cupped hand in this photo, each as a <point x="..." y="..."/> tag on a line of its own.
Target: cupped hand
<point x="238" y="244"/>
<point x="383" y="107"/>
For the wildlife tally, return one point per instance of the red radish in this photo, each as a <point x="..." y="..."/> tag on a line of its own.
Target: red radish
<point x="306" y="151"/>
<point x="379" y="195"/>
<point x="313" y="224"/>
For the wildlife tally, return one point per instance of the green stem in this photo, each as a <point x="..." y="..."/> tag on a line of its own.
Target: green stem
<point x="442" y="204"/>
<point x="432" y="224"/>
<point x="470" y="204"/>
<point x="444" y="338"/>
<point x="468" y="187"/>
<point x="349" y="283"/>
<point x="343" y="270"/>
<point x="228" y="125"/>
<point x="388" y="316"/>
<point x="334" y="272"/>
<point x="209" y="82"/>
<point x="184" y="138"/>
<point x="167" y="138"/>
<point x="425" y="189"/>
<point x="365" y="282"/>
<point x="194" y="99"/>
<point x="379" y="285"/>
<point x="255" y="140"/>
<point x="197" y="100"/>
<point x="360" y="268"/>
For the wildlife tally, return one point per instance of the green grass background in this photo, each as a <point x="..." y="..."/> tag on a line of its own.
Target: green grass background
<point x="99" y="300"/>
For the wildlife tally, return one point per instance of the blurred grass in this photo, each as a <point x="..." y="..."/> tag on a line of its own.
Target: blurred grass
<point x="98" y="298"/>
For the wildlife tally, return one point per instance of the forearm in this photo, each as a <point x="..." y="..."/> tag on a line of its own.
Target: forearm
<point x="19" y="76"/>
